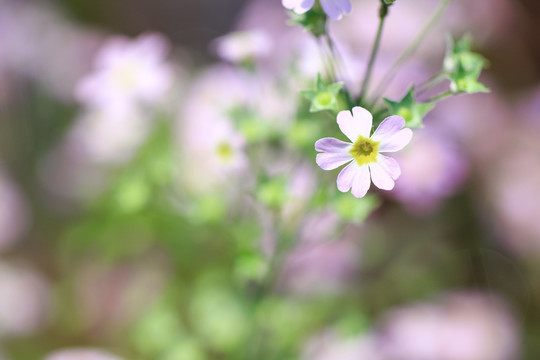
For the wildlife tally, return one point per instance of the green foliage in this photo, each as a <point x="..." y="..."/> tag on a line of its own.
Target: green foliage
<point x="313" y="21"/>
<point x="218" y="317"/>
<point x="355" y="210"/>
<point x="408" y="108"/>
<point x="272" y="192"/>
<point x="463" y="67"/>
<point x="325" y="96"/>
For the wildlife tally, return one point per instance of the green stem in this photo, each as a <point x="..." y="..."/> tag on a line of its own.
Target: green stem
<point x="411" y="49"/>
<point x="439" y="97"/>
<point x="426" y="85"/>
<point x="327" y="60"/>
<point x="342" y="69"/>
<point x="383" y="12"/>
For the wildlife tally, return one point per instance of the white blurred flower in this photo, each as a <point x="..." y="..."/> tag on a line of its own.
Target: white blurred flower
<point x="243" y="45"/>
<point x="24" y="300"/>
<point x="128" y="72"/>
<point x="212" y="152"/>
<point x="460" y="327"/>
<point x="81" y="354"/>
<point x="109" y="135"/>
<point x="328" y="346"/>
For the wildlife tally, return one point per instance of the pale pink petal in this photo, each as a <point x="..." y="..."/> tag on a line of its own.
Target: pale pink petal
<point x="298" y="6"/>
<point x="361" y="182"/>
<point x="365" y="119"/>
<point x="332" y="145"/>
<point x="331" y="161"/>
<point x="390" y="165"/>
<point x="388" y="127"/>
<point x="355" y="124"/>
<point x="331" y="9"/>
<point x="380" y="178"/>
<point x="397" y="141"/>
<point x="344" y="5"/>
<point x="346" y="177"/>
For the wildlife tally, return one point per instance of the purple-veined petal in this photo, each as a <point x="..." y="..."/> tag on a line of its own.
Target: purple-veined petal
<point x="390" y="165"/>
<point x="380" y="178"/>
<point x="331" y="161"/>
<point x="356" y="123"/>
<point x="332" y="145"/>
<point x="346" y="177"/>
<point x="361" y="182"/>
<point x="397" y="141"/>
<point x="388" y="127"/>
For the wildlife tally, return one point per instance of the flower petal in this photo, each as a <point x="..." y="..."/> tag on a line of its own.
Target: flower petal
<point x="331" y="9"/>
<point x="397" y="141"/>
<point x="361" y="182"/>
<point x="346" y="177"/>
<point x="332" y="145"/>
<point x="298" y="6"/>
<point x="380" y="178"/>
<point x="388" y="127"/>
<point x="355" y="124"/>
<point x="331" y="161"/>
<point x="344" y="5"/>
<point x="390" y="165"/>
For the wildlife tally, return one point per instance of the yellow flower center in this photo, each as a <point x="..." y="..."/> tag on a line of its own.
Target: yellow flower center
<point x="364" y="151"/>
<point x="225" y="152"/>
<point x="324" y="99"/>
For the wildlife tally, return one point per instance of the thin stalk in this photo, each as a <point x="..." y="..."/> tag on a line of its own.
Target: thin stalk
<point x="383" y="12"/>
<point x="340" y="65"/>
<point x="327" y="60"/>
<point x="439" y="97"/>
<point x="411" y="49"/>
<point x="426" y="85"/>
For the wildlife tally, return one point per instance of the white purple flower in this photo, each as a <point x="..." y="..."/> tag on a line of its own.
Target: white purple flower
<point x="128" y="72"/>
<point x="364" y="154"/>
<point x="333" y="8"/>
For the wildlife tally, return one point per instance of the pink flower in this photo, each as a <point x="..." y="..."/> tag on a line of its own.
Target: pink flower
<point x="128" y="72"/>
<point x="364" y="154"/>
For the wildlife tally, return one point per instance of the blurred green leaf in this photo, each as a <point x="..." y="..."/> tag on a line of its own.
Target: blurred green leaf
<point x="411" y="110"/>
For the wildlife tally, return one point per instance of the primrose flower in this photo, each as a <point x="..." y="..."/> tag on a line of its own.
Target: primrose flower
<point x="333" y="8"/>
<point x="243" y="45"/>
<point x="364" y="154"/>
<point x="128" y="72"/>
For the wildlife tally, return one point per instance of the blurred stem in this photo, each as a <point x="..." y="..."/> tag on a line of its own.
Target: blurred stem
<point x="340" y="65"/>
<point x="426" y="85"/>
<point x="439" y="97"/>
<point x="383" y="12"/>
<point x="327" y="60"/>
<point x="268" y="285"/>
<point x="410" y="50"/>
